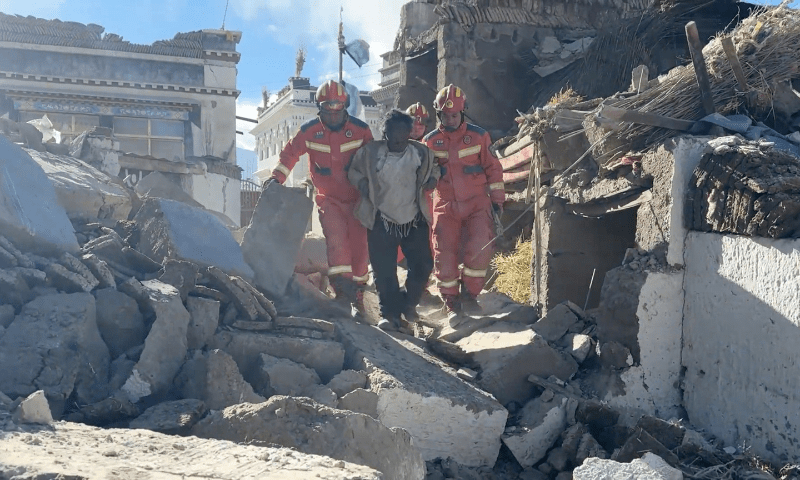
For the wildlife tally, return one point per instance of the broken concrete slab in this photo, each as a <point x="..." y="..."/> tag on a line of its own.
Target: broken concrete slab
<point x="171" y="229"/>
<point x="540" y="423"/>
<point x="165" y="345"/>
<point x="172" y="418"/>
<point x="204" y="320"/>
<point x="181" y="275"/>
<point x="324" y="356"/>
<point x="286" y="377"/>
<point x="579" y="346"/>
<point x="244" y="301"/>
<point x="157" y="185"/>
<point x="119" y="320"/>
<point x="508" y="353"/>
<point x="34" y="409"/>
<point x="650" y="467"/>
<point x="85" y="192"/>
<point x="214" y="378"/>
<point x="104" y="412"/>
<point x="69" y="282"/>
<point x="309" y="427"/>
<point x="347" y="381"/>
<point x="73" y="450"/>
<point x="54" y="345"/>
<point x="14" y="290"/>
<point x="6" y="315"/>
<point x="468" y="423"/>
<point x="99" y="270"/>
<point x="30" y="214"/>
<point x="273" y="238"/>
<point x="555" y="323"/>
<point x="360" y="401"/>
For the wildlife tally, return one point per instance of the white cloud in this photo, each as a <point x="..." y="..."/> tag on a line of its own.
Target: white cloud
<point x="248" y="108"/>
<point x="316" y="22"/>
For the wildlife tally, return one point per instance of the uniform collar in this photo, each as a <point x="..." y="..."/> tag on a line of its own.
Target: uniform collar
<point x="458" y="131"/>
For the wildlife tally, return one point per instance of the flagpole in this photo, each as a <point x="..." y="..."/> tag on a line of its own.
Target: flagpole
<point x="341" y="42"/>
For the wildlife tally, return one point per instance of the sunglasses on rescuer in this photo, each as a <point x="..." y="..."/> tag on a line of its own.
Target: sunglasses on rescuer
<point x="332" y="106"/>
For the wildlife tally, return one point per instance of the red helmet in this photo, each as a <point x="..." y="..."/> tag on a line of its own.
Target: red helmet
<point x="331" y="95"/>
<point x="419" y="112"/>
<point x="450" y="99"/>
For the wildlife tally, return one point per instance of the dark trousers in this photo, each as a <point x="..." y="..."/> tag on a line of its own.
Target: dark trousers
<point x="383" y="256"/>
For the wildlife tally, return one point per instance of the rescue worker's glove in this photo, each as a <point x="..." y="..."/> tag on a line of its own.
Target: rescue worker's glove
<point x="363" y="187"/>
<point x="498" y="209"/>
<point x="269" y="182"/>
<point x="429" y="185"/>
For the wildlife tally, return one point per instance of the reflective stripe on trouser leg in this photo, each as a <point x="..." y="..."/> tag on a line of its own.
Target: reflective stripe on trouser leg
<point x="361" y="280"/>
<point x="339" y="270"/>
<point x="446" y="236"/>
<point x="479" y="227"/>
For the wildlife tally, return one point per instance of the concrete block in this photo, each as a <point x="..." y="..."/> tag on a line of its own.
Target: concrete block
<point x="214" y="377"/>
<point x="287" y="377"/>
<point x="181" y="275"/>
<point x="69" y="282"/>
<point x="30" y="214"/>
<point x="579" y="346"/>
<point x="589" y="448"/>
<point x="82" y="451"/>
<point x="165" y="345"/>
<point x="54" y="345"/>
<point x="309" y="427"/>
<point x="14" y="290"/>
<point x="468" y="422"/>
<point x="360" y="401"/>
<point x="171" y="229"/>
<point x="273" y="238"/>
<point x="347" y="381"/>
<point x="34" y="409"/>
<point x="204" y="320"/>
<point x="172" y="418"/>
<point x="322" y="395"/>
<point x="120" y="322"/>
<point x="508" y="353"/>
<point x="550" y="45"/>
<point x="99" y="270"/>
<point x="650" y="468"/>
<point x="324" y="356"/>
<point x="555" y="323"/>
<point x="541" y="425"/>
<point x="85" y="192"/>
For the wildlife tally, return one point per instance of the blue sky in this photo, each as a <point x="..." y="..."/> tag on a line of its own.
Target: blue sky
<point x="272" y="31"/>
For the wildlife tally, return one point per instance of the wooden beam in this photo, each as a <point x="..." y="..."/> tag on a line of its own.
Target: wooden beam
<point x="159" y="165"/>
<point x="733" y="59"/>
<point x="700" y="71"/>
<point x="654" y="120"/>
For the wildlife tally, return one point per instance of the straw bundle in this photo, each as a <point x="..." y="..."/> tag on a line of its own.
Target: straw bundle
<point x="767" y="48"/>
<point x="514" y="272"/>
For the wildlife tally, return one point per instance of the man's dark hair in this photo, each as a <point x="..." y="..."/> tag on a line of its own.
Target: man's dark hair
<point x="397" y="118"/>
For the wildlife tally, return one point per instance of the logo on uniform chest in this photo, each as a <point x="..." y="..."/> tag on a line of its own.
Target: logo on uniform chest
<point x="439" y="143"/>
<point x="467" y="139"/>
<point x="319" y="134"/>
<point x="348" y="133"/>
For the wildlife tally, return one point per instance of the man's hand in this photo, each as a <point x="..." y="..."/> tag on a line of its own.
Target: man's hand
<point x="363" y="187"/>
<point x="498" y="209"/>
<point x="269" y="182"/>
<point x="429" y="185"/>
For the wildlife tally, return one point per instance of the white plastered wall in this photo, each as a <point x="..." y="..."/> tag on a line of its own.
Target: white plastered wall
<point x="741" y="333"/>
<point x="219" y="193"/>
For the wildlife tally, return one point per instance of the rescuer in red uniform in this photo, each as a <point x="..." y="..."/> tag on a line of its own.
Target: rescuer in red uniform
<point x="420" y="115"/>
<point x="331" y="140"/>
<point x="471" y="185"/>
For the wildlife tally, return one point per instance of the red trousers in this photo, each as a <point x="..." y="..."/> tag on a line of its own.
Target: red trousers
<point x="461" y="230"/>
<point x="345" y="239"/>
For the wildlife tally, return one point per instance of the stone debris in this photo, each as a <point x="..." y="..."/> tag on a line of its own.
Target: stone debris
<point x="172" y="418"/>
<point x="309" y="427"/>
<point x="34" y="409"/>
<point x="649" y="467"/>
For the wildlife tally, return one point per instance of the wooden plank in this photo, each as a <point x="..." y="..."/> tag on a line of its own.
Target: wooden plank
<point x="513" y="177"/>
<point x="733" y="59"/>
<point x="700" y="71"/>
<point x="644" y="118"/>
<point x="516" y="146"/>
<point x="522" y="157"/>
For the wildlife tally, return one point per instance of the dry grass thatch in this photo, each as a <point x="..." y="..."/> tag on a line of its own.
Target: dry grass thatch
<point x="514" y="272"/>
<point x="766" y="44"/>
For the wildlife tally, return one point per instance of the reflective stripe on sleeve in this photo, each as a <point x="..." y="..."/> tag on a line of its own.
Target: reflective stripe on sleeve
<point x="346" y="147"/>
<point x="497" y="186"/>
<point x="440" y="154"/>
<point x="282" y="168"/>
